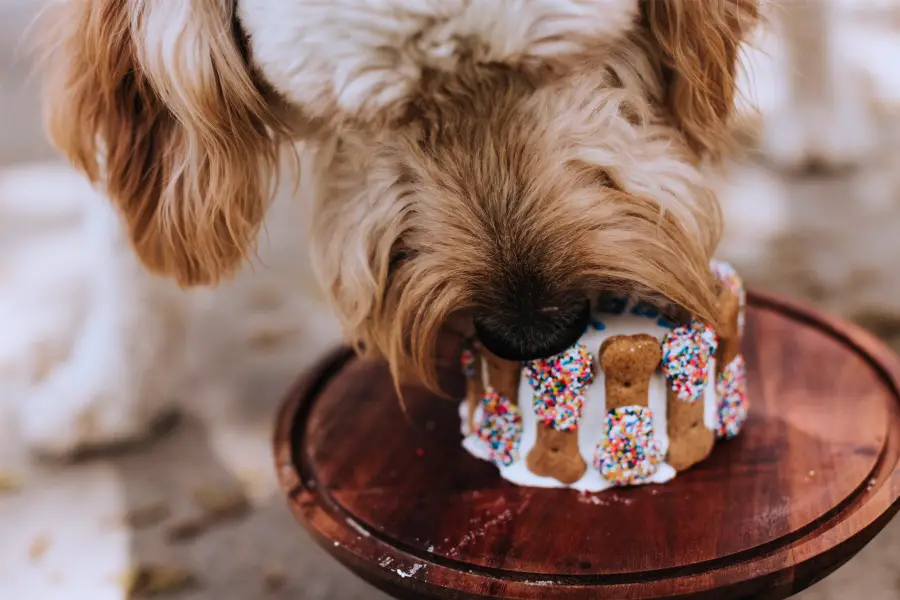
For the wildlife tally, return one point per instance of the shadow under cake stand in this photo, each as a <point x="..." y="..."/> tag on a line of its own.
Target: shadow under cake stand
<point x="386" y="488"/>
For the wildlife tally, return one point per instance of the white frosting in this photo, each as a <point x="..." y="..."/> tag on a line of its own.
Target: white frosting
<point x="710" y="399"/>
<point x="591" y="429"/>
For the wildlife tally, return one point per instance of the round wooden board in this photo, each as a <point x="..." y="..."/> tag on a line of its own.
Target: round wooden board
<point x="813" y="477"/>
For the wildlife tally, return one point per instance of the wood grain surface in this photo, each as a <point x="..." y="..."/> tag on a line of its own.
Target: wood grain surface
<point x="386" y="488"/>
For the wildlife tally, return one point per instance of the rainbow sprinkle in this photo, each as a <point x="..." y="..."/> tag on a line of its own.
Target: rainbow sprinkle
<point x="731" y="388"/>
<point x="468" y="360"/>
<point x="629" y="455"/>
<point x="685" y="360"/>
<point x="559" y="383"/>
<point x="596" y="324"/>
<point x="726" y="274"/>
<point x="500" y="427"/>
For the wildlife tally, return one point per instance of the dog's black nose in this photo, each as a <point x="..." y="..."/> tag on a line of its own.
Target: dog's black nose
<point x="527" y="331"/>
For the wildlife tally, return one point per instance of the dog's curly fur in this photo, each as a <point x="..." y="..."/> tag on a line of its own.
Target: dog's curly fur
<point x="449" y="149"/>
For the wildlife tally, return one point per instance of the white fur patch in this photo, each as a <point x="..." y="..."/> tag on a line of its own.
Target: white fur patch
<point x="361" y="58"/>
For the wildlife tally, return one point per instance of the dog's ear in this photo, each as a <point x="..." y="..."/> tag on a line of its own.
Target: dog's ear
<point x="699" y="42"/>
<point x="154" y="100"/>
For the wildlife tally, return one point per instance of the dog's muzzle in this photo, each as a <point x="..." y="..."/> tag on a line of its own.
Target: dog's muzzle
<point x="528" y="332"/>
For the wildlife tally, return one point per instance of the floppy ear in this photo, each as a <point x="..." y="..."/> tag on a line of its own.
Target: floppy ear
<point x="154" y="100"/>
<point x="699" y="42"/>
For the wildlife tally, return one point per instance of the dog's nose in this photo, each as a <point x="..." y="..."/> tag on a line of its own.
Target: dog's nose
<point x="514" y="333"/>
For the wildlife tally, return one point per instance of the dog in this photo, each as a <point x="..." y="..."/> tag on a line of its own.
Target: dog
<point x="489" y="165"/>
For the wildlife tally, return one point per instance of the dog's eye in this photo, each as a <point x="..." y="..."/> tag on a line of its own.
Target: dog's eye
<point x="399" y="256"/>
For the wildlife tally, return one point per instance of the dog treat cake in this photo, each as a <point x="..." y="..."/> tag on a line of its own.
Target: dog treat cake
<point x="637" y="399"/>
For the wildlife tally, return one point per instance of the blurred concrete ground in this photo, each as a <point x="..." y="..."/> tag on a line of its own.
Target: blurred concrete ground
<point x="832" y="241"/>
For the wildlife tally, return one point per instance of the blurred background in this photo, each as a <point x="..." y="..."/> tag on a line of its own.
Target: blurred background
<point x="823" y="229"/>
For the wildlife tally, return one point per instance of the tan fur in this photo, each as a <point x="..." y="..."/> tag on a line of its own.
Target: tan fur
<point x="154" y="99"/>
<point x="699" y="41"/>
<point x="480" y="156"/>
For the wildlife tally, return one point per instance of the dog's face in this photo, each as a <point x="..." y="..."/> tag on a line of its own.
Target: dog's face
<point x="500" y="160"/>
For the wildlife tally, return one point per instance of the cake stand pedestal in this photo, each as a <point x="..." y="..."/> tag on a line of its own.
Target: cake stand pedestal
<point x="385" y="487"/>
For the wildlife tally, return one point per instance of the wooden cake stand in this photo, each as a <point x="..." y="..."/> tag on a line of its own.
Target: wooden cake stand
<point x="386" y="488"/>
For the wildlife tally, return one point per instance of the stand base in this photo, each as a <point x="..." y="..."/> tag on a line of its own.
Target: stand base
<point x="387" y="489"/>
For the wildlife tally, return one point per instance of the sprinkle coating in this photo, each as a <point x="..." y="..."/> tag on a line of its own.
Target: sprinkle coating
<point x="500" y="427"/>
<point x="685" y="361"/>
<point x="731" y="388"/>
<point x="559" y="384"/>
<point x="630" y="454"/>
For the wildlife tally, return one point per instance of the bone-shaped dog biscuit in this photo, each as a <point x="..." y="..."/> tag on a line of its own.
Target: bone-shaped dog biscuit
<point x="690" y="440"/>
<point x="629" y="453"/>
<point x="555" y="454"/>
<point x="559" y="384"/>
<point x="731" y="409"/>
<point x="687" y="351"/>
<point x="472" y="369"/>
<point x="628" y="362"/>
<point x="729" y="306"/>
<point x="502" y="375"/>
<point x="501" y="422"/>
